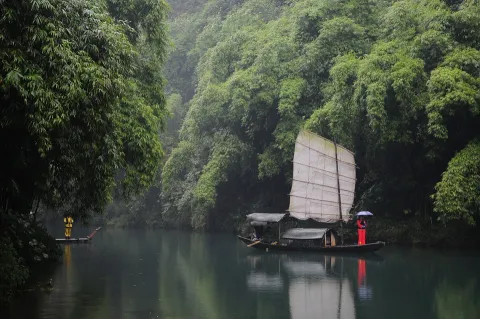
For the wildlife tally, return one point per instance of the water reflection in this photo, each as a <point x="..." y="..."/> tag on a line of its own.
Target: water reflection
<point x="364" y="291"/>
<point x="316" y="286"/>
<point x="263" y="282"/>
<point x="305" y="268"/>
<point x="457" y="302"/>
<point x="167" y="274"/>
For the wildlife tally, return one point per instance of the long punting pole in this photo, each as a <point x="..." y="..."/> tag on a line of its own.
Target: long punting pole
<point x="339" y="197"/>
<point x="278" y="231"/>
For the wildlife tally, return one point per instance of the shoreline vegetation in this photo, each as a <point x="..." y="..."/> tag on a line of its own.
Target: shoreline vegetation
<point x="426" y="235"/>
<point x="407" y="232"/>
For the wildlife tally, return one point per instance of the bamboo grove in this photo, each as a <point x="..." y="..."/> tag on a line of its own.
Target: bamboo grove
<point x="396" y="81"/>
<point x="82" y="102"/>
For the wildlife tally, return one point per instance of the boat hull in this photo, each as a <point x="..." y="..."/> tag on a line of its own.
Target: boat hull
<point x="333" y="249"/>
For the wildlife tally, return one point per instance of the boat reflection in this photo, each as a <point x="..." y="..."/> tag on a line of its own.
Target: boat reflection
<point x="317" y="286"/>
<point x="330" y="298"/>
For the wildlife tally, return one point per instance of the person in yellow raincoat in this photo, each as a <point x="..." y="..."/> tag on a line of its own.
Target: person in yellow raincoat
<point x="68" y="220"/>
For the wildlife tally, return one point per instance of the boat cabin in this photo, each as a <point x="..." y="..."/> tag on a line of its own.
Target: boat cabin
<point x="260" y="222"/>
<point x="324" y="237"/>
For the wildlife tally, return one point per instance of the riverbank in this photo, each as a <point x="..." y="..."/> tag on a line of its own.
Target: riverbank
<point x="25" y="249"/>
<point x="409" y="232"/>
<point x="413" y="232"/>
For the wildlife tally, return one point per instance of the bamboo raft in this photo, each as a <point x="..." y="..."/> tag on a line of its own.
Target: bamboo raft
<point x="79" y="239"/>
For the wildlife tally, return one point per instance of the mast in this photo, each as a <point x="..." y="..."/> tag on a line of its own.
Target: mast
<point x="338" y="183"/>
<point x="338" y="186"/>
<point x="339" y="312"/>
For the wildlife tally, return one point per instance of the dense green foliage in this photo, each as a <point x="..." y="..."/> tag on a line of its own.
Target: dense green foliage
<point x="398" y="82"/>
<point x="145" y="209"/>
<point x="82" y="104"/>
<point x="458" y="193"/>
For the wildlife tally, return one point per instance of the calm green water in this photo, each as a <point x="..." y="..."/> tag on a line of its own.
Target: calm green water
<point x="168" y="274"/>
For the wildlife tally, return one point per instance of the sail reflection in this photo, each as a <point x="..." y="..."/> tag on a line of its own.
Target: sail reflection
<point x="316" y="286"/>
<point x="319" y="291"/>
<point x="258" y="281"/>
<point x="330" y="298"/>
<point x="304" y="268"/>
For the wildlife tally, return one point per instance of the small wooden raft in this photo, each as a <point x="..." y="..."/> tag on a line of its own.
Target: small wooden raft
<point x="78" y="240"/>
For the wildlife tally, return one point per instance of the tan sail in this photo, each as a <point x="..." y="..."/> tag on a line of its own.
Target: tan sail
<point x="315" y="185"/>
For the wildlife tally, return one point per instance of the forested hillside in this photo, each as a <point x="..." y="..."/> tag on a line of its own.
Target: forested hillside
<point x="396" y="81"/>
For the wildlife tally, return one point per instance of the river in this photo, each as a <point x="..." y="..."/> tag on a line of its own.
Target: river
<point x="173" y="274"/>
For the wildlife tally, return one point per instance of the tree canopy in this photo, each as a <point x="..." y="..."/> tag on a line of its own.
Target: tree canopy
<point x="82" y="103"/>
<point x="76" y="112"/>
<point x="395" y="81"/>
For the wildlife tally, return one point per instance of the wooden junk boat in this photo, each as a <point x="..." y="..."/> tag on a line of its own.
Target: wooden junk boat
<point x="323" y="189"/>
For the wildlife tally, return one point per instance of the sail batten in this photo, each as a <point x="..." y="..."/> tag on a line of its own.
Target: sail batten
<point x="333" y="157"/>
<point x="336" y="188"/>
<point x="324" y="177"/>
<point x="320" y="170"/>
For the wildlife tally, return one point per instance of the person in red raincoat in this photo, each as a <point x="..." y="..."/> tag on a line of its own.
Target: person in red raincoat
<point x="361" y="225"/>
